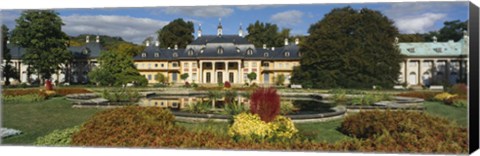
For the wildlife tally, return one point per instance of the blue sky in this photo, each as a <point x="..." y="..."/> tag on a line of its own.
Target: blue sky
<point x="135" y="24"/>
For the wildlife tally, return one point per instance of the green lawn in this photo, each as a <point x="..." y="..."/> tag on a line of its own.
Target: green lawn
<point x="452" y="113"/>
<point x="40" y="118"/>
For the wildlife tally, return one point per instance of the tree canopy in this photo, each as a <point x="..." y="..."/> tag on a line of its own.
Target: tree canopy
<point x="351" y="49"/>
<point x="116" y="69"/>
<point x="176" y="32"/>
<point x="261" y="33"/>
<point x="451" y="30"/>
<point x="411" y="37"/>
<point x="40" y="32"/>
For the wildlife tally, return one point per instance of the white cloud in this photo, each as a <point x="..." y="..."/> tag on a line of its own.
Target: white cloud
<point x="129" y="28"/>
<point x="251" y="7"/>
<point x="200" y="11"/>
<point x="402" y="9"/>
<point x="418" y="24"/>
<point x="287" y="18"/>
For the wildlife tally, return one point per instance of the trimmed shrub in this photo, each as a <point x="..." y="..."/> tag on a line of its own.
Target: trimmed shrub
<point x="227" y="84"/>
<point x="287" y="107"/>
<point x="199" y="107"/>
<point x="403" y="131"/>
<point x="423" y="95"/>
<point x="266" y="103"/>
<point x="250" y="127"/>
<point x="23" y="98"/>
<point x="58" y="137"/>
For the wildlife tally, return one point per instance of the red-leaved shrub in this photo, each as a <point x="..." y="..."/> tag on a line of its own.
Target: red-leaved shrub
<point x="227" y="84"/>
<point x="459" y="89"/>
<point x="266" y="103"/>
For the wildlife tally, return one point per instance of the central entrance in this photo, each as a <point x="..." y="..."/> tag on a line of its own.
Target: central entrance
<point x="220" y="77"/>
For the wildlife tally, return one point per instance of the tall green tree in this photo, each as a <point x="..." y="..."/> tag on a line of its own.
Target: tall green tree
<point x="116" y="69"/>
<point x="411" y="38"/>
<point x="176" y="32"/>
<point x="40" y="32"/>
<point x="128" y="48"/>
<point x="261" y="33"/>
<point x="451" y="30"/>
<point x="351" y="49"/>
<point x="8" y="70"/>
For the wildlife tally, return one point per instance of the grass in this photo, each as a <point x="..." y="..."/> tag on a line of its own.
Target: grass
<point x="452" y="113"/>
<point x="37" y="119"/>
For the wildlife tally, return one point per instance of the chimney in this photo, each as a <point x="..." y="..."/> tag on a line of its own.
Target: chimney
<point x="199" y="32"/>
<point x="297" y="41"/>
<point x="434" y="38"/>
<point x="87" y="39"/>
<point x="147" y="43"/>
<point x="264" y="46"/>
<point x="286" y="41"/>
<point x="157" y="43"/>
<point x="176" y="47"/>
<point x="97" y="39"/>
<point x="240" y="31"/>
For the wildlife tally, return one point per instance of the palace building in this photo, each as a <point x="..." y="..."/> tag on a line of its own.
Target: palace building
<point x="212" y="59"/>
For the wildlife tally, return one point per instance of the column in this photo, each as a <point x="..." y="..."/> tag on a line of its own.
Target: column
<point x="447" y="71"/>
<point x="200" y="72"/>
<point x="420" y="72"/>
<point x="239" y="74"/>
<point x="226" y="74"/>
<point x="406" y="71"/>
<point x="213" y="76"/>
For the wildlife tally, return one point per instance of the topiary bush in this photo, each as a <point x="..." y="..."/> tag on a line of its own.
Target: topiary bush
<point x="227" y="84"/>
<point x="266" y="103"/>
<point x="58" y="137"/>
<point x="250" y="127"/>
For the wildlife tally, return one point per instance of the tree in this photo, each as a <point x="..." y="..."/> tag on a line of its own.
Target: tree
<point x="128" y="49"/>
<point x="280" y="79"/>
<point x="351" y="49"/>
<point x="411" y="38"/>
<point x="261" y="33"/>
<point x="8" y="70"/>
<point x="178" y="32"/>
<point x="451" y="30"/>
<point x="116" y="69"/>
<point x="40" y="33"/>
<point x="161" y="78"/>
<point x="184" y="76"/>
<point x="252" y="76"/>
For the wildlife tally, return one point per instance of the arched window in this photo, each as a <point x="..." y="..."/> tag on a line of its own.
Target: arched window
<point x="238" y="50"/>
<point x="287" y="54"/>
<point x="249" y="51"/>
<point x="219" y="50"/>
<point x="265" y="54"/>
<point x="190" y="52"/>
<point x="175" y="54"/>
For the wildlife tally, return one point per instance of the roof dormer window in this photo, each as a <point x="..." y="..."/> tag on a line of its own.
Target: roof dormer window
<point x="238" y="50"/>
<point x="175" y="54"/>
<point x="202" y="50"/>
<point x="156" y="54"/>
<point x="412" y="50"/>
<point x="287" y="54"/>
<point x="438" y="50"/>
<point x="144" y="55"/>
<point x="219" y="50"/>
<point x="86" y="51"/>
<point x="190" y="52"/>
<point x="265" y="54"/>
<point x="249" y="51"/>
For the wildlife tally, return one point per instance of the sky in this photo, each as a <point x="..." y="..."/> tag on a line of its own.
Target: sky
<point x="136" y="24"/>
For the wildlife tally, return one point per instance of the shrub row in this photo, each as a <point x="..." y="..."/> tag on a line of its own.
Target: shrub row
<point x="419" y="94"/>
<point x="66" y="91"/>
<point x="58" y="137"/>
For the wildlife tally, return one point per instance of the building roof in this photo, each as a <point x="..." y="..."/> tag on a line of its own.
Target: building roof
<point x="89" y="50"/>
<point x="435" y="49"/>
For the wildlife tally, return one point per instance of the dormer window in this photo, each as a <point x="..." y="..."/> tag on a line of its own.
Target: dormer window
<point x="144" y="55"/>
<point x="287" y="54"/>
<point x="190" y="52"/>
<point x="238" y="50"/>
<point x="86" y="51"/>
<point x="175" y="54"/>
<point x="220" y="50"/>
<point x="249" y="51"/>
<point x="202" y="50"/>
<point x="438" y="50"/>
<point x="412" y="50"/>
<point x="156" y="55"/>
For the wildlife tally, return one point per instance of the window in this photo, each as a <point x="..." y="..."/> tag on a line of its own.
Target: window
<point x="194" y="76"/>
<point x="412" y="50"/>
<point x="412" y="64"/>
<point x="249" y="51"/>
<point x="208" y="77"/>
<point x="156" y="54"/>
<point x="219" y="50"/>
<point x="287" y="54"/>
<point x="426" y="64"/>
<point x="280" y="65"/>
<point x="185" y="65"/>
<point x="238" y="50"/>
<point x="149" y="77"/>
<point x="174" y="64"/>
<point x="190" y="52"/>
<point x="265" y="54"/>
<point x="156" y="65"/>
<point x="202" y="50"/>
<point x="144" y="55"/>
<point x="175" y="54"/>
<point x="174" y="77"/>
<point x="265" y="64"/>
<point x="161" y="65"/>
<point x="194" y="65"/>
<point x="438" y="50"/>
<point x="230" y="77"/>
<point x="245" y="77"/>
<point x="254" y="64"/>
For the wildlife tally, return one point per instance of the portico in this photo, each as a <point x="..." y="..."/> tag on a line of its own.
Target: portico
<point x="220" y="71"/>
